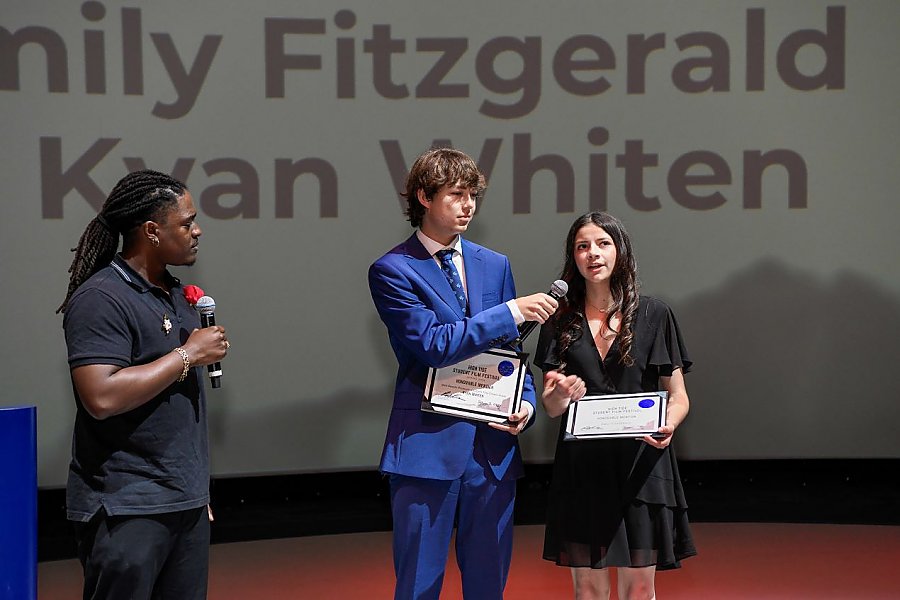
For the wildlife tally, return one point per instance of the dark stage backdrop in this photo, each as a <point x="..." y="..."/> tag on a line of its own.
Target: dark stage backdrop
<point x="749" y="147"/>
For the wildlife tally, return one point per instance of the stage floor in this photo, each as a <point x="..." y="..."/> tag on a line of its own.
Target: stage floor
<point x="752" y="561"/>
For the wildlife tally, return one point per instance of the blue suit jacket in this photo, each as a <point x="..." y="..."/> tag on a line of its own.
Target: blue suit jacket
<point x="428" y="329"/>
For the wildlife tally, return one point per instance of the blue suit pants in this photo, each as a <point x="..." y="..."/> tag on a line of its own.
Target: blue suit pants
<point x="424" y="511"/>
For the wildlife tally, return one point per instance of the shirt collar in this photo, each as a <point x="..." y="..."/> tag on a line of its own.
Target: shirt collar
<point x="135" y="279"/>
<point x="434" y="247"/>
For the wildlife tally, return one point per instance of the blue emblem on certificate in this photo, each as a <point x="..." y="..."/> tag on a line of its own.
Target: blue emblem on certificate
<point x="486" y="387"/>
<point x="616" y="415"/>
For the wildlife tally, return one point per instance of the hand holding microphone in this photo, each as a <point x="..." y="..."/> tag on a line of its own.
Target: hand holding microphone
<point x="212" y="339"/>
<point x="537" y="308"/>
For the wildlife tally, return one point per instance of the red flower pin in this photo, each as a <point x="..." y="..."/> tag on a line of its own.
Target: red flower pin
<point x="192" y="293"/>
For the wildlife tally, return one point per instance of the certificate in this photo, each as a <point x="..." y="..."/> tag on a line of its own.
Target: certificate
<point x="616" y="415"/>
<point x="486" y="387"/>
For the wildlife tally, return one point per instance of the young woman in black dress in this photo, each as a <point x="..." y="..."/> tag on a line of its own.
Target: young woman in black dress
<point x="613" y="502"/>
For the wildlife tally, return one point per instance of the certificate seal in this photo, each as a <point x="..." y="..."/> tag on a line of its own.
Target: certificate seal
<point x="506" y="368"/>
<point x="647" y="403"/>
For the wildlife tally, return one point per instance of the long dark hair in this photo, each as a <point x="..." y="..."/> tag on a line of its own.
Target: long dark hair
<point x="138" y="197"/>
<point x="623" y="285"/>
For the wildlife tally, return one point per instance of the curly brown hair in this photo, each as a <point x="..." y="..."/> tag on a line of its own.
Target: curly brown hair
<point x="434" y="169"/>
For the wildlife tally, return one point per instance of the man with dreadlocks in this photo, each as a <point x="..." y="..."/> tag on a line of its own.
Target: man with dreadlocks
<point x="138" y="482"/>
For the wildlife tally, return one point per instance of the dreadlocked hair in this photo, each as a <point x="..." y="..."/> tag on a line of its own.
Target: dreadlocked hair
<point x="623" y="285"/>
<point x="138" y="197"/>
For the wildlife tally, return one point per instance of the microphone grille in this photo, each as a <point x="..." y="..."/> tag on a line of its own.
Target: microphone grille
<point x="559" y="287"/>
<point x="206" y="305"/>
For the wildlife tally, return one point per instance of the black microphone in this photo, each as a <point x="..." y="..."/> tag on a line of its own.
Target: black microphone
<point x="206" y="306"/>
<point x="558" y="291"/>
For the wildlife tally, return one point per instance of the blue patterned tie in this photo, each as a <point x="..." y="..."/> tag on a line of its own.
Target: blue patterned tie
<point x="449" y="269"/>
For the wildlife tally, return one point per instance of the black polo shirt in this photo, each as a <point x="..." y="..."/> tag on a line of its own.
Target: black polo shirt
<point x="155" y="458"/>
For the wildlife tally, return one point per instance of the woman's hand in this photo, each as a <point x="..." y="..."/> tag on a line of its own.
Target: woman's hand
<point x="676" y="409"/>
<point x="560" y="391"/>
<point x="663" y="439"/>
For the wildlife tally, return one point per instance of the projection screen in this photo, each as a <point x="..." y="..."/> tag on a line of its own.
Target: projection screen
<point x="749" y="147"/>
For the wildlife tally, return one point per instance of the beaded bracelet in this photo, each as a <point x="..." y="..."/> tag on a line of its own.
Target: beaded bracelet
<point x="187" y="363"/>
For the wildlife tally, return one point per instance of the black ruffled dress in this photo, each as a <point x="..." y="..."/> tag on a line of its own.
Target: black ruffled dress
<point x="618" y="502"/>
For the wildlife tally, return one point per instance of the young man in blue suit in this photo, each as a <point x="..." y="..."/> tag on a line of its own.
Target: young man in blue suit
<point x="444" y="469"/>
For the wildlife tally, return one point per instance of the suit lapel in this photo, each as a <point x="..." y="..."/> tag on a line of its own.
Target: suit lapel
<point x="474" y="265"/>
<point x="425" y="265"/>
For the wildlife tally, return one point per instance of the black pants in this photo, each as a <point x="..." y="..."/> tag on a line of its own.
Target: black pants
<point x="145" y="557"/>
